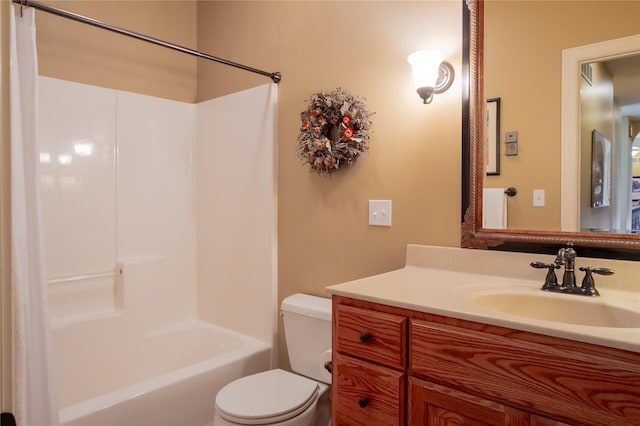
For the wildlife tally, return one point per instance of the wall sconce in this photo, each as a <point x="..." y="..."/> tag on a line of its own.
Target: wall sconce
<point x="430" y="74"/>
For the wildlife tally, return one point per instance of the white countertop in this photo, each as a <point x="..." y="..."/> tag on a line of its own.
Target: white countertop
<point x="446" y="281"/>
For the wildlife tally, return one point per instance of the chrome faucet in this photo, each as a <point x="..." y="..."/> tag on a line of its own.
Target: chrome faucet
<point x="567" y="257"/>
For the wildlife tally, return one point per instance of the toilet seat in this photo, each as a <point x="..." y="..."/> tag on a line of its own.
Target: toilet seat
<point x="275" y="395"/>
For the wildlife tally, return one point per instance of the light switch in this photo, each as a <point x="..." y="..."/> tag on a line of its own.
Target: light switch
<point x="380" y="212"/>
<point x="538" y="197"/>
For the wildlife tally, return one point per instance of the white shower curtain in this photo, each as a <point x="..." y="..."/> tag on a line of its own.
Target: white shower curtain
<point x="34" y="393"/>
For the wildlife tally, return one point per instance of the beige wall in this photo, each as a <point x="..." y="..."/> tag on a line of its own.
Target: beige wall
<point x="596" y="113"/>
<point x="78" y="52"/>
<point x="524" y="42"/>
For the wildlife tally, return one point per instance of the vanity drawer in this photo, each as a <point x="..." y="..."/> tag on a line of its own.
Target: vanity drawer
<point x="375" y="336"/>
<point x="367" y="394"/>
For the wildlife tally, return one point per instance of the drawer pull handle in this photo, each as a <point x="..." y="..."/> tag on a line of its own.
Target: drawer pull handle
<point x="363" y="401"/>
<point x="364" y="337"/>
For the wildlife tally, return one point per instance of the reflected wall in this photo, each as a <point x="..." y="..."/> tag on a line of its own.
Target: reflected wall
<point x="523" y="52"/>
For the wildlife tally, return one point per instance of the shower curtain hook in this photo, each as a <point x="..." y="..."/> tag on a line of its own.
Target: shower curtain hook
<point x="23" y="3"/>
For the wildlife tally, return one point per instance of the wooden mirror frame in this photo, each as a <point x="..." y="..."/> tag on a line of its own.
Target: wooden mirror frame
<point x="591" y="244"/>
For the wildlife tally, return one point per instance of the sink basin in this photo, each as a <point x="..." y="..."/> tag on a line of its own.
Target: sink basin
<point x="579" y="310"/>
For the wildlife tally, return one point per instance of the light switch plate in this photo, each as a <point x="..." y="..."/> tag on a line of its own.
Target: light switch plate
<point x="380" y="212"/>
<point x="538" y="197"/>
<point x="511" y="136"/>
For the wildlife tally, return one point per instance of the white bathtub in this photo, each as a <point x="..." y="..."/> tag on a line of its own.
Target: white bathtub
<point x="166" y="378"/>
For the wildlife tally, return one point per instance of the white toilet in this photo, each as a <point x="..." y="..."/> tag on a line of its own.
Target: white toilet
<point x="278" y="397"/>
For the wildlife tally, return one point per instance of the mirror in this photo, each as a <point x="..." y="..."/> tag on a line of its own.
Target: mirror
<point x="534" y="237"/>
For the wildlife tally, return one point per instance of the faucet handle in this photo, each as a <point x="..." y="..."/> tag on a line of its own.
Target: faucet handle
<point x="603" y="271"/>
<point x="588" y="284"/>
<point x="551" y="279"/>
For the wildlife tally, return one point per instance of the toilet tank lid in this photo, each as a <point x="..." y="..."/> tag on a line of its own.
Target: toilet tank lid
<point x="305" y="304"/>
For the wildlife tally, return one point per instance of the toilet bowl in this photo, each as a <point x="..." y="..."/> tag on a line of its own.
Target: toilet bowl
<point x="279" y="397"/>
<point x="274" y="397"/>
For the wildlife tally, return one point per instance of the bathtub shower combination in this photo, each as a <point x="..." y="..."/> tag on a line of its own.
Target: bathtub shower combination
<point x="148" y="277"/>
<point x="135" y="287"/>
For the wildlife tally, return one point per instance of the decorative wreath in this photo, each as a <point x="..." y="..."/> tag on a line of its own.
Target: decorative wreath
<point x="334" y="130"/>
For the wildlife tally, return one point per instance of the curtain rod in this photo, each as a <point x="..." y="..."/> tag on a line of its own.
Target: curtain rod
<point x="275" y="76"/>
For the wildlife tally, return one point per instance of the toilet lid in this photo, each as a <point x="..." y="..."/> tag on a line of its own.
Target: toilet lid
<point x="267" y="397"/>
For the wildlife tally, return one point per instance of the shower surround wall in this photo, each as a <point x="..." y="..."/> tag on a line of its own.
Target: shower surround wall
<point x="157" y="212"/>
<point x="236" y="212"/>
<point x="105" y="215"/>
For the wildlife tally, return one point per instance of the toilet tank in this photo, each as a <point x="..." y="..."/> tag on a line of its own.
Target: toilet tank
<point x="307" y="328"/>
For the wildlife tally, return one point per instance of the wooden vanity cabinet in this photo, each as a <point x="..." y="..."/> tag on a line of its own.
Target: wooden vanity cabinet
<point x="416" y="368"/>
<point x="432" y="404"/>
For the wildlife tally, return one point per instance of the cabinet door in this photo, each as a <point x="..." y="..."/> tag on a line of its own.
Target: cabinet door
<point x="435" y="405"/>
<point x="366" y="394"/>
<point x="543" y="421"/>
<point x="587" y="384"/>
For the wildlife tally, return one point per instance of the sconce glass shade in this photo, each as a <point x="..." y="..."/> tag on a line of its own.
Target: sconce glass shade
<point x="430" y="74"/>
<point x="425" y="65"/>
